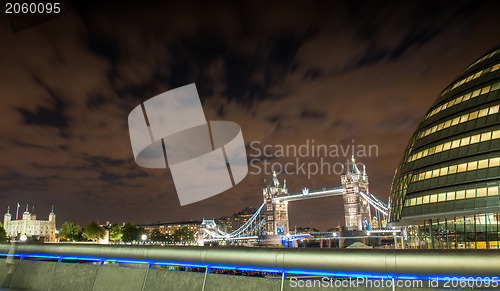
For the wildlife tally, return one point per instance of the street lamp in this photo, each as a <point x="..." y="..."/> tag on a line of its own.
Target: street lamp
<point x="144" y="238"/>
<point x="23" y="237"/>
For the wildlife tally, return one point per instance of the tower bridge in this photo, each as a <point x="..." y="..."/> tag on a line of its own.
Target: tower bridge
<point x="271" y="220"/>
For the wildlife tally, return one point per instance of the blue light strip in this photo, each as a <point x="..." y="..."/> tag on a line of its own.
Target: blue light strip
<point x="324" y="273"/>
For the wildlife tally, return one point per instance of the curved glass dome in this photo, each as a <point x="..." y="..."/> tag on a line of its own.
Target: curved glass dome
<point x="451" y="166"/>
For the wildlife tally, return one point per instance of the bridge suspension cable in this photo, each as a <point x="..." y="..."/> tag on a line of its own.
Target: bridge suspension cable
<point x="243" y="230"/>
<point x="375" y="202"/>
<point x="255" y="222"/>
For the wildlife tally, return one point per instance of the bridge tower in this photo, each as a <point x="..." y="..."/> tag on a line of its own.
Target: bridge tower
<point x="276" y="210"/>
<point x="356" y="208"/>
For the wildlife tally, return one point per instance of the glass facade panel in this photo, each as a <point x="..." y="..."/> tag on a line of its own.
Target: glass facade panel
<point x="481" y="192"/>
<point x="479" y="231"/>
<point x="457" y="120"/>
<point x="482" y="164"/>
<point x="460" y="232"/>
<point x="470" y="78"/>
<point x="495" y="162"/>
<point x="483" y="112"/>
<point x="470" y="193"/>
<point x="452" y="169"/>
<point x="460" y="194"/>
<point x="492" y="191"/>
<point x="470" y="233"/>
<point x="472" y="139"/>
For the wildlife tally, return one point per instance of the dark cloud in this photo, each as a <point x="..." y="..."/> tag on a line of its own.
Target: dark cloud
<point x="312" y="114"/>
<point x="52" y="114"/>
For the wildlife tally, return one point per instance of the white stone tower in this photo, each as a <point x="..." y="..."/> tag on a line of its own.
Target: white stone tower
<point x="7" y="218"/>
<point x="356" y="208"/>
<point x="276" y="210"/>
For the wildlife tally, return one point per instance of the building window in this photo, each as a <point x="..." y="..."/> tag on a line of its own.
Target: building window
<point x="455" y="144"/>
<point x="452" y="169"/>
<point x="457" y="120"/>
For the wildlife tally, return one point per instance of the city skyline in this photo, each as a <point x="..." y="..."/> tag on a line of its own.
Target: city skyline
<point x="286" y="73"/>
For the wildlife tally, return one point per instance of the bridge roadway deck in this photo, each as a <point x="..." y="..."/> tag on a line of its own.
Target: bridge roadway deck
<point x="317" y="193"/>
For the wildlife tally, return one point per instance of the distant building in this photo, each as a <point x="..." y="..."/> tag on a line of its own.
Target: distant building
<point x="232" y="223"/>
<point x="170" y="227"/>
<point x="105" y="240"/>
<point x="305" y="230"/>
<point x="336" y="229"/>
<point x="31" y="227"/>
<point x="374" y="224"/>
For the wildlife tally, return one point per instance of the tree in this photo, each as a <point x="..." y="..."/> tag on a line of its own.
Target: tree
<point x="115" y="232"/>
<point x="94" y="231"/>
<point x="70" y="231"/>
<point x="3" y="234"/>
<point x="157" y="236"/>
<point x="183" y="234"/>
<point x="130" y="232"/>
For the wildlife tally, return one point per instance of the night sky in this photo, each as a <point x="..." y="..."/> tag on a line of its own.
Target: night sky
<point x="287" y="71"/>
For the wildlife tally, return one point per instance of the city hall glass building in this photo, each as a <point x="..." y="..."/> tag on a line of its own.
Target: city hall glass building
<point x="446" y="189"/>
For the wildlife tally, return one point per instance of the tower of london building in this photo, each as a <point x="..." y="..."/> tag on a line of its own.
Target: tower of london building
<point x="31" y="227"/>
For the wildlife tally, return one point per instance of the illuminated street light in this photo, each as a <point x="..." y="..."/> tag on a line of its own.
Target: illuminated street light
<point x="144" y="237"/>
<point x="23" y="237"/>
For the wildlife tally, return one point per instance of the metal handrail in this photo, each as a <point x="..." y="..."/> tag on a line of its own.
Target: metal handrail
<point x="385" y="262"/>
